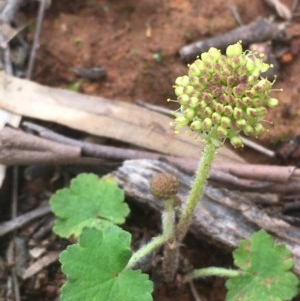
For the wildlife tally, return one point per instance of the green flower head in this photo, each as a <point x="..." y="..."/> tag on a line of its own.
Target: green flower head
<point x="223" y="95"/>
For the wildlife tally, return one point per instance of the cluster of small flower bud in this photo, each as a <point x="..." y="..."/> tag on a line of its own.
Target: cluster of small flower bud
<point x="223" y="95"/>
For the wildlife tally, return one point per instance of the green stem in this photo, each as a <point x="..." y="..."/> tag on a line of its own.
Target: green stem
<point x="147" y="249"/>
<point x="212" y="271"/>
<point x="171" y="251"/>
<point x="196" y="191"/>
<point x="168" y="219"/>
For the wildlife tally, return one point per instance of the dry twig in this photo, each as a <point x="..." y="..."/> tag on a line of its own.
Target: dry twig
<point x="255" y="32"/>
<point x="20" y="221"/>
<point x="40" y="264"/>
<point x="35" y="45"/>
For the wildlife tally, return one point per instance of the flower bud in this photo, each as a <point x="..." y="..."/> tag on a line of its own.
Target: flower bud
<point x="248" y="130"/>
<point x="208" y="112"/>
<point x="179" y="90"/>
<point x="236" y="142"/>
<point x="189" y="113"/>
<point x="216" y="118"/>
<point x="182" y="81"/>
<point x="196" y="125"/>
<point x="237" y="113"/>
<point x="272" y="102"/>
<point x="183" y="99"/>
<point x="225" y="122"/>
<point x="258" y="129"/>
<point x="241" y="123"/>
<point x="222" y="132"/>
<point x="228" y="111"/>
<point x="188" y="90"/>
<point x="207" y="124"/>
<point x="194" y="101"/>
<point x="251" y="112"/>
<point x="164" y="185"/>
<point x="219" y="108"/>
<point x="234" y="50"/>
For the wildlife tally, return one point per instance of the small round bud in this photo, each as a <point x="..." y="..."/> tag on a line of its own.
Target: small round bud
<point x="196" y="125"/>
<point x="216" y="118"/>
<point x="194" y="70"/>
<point x="194" y="80"/>
<point x="189" y="113"/>
<point x="202" y="105"/>
<point x="226" y="122"/>
<point x="272" y="102"/>
<point x="231" y="80"/>
<point x="207" y="124"/>
<point x="236" y="142"/>
<point x="194" y="101"/>
<point x="215" y="54"/>
<point x="182" y="81"/>
<point x="250" y="65"/>
<point x="181" y="121"/>
<point x="219" y="108"/>
<point x="251" y="112"/>
<point x="247" y="101"/>
<point x="248" y="130"/>
<point x="234" y="50"/>
<point x="237" y="113"/>
<point x="228" y="111"/>
<point x="183" y="99"/>
<point x="241" y="123"/>
<point x="258" y="129"/>
<point x="179" y="90"/>
<point x="222" y="132"/>
<point x="164" y="185"/>
<point x="261" y="111"/>
<point x="208" y="112"/>
<point x="188" y="90"/>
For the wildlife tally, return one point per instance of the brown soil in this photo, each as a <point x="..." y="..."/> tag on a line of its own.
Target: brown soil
<point x="137" y="42"/>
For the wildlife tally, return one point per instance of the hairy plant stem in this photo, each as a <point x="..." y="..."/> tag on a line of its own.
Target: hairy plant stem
<point x="196" y="190"/>
<point x="212" y="271"/>
<point x="147" y="249"/>
<point x="168" y="219"/>
<point x="171" y="251"/>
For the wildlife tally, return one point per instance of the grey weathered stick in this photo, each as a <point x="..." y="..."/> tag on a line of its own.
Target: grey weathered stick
<point x="35" y="45"/>
<point x="17" y="147"/>
<point x="255" y="32"/>
<point x="20" y="221"/>
<point x="10" y="9"/>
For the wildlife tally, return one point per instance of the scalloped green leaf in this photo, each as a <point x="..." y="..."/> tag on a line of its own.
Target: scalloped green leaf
<point x="267" y="271"/>
<point x="95" y="269"/>
<point x="89" y="202"/>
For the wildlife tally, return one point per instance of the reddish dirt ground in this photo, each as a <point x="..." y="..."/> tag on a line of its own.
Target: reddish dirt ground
<point x="137" y="42"/>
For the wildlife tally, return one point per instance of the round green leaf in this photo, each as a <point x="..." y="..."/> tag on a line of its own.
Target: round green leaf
<point x="95" y="269"/>
<point x="89" y="202"/>
<point x="267" y="271"/>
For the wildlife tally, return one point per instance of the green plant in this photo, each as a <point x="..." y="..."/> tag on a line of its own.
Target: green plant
<point x="221" y="96"/>
<point x="157" y="57"/>
<point x="78" y="40"/>
<point x="75" y="86"/>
